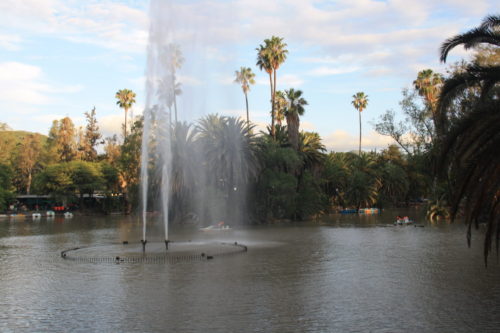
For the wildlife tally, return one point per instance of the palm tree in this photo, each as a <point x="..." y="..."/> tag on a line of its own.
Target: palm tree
<point x="280" y="103"/>
<point x="167" y="90"/>
<point x="469" y="147"/>
<point x="245" y="77"/>
<point x="311" y="150"/>
<point x="183" y="174"/>
<point x="364" y="182"/>
<point x="174" y="60"/>
<point x="126" y="98"/>
<point x="264" y="63"/>
<point x="228" y="145"/>
<point x="428" y="85"/>
<point x="487" y="32"/>
<point x="270" y="56"/>
<point x="294" y="109"/>
<point x="360" y="102"/>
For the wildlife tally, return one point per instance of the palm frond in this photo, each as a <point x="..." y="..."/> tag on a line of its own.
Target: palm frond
<point x="490" y="22"/>
<point x="469" y="40"/>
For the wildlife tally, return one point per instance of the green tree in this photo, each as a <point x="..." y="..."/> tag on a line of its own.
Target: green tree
<point x="56" y="181"/>
<point x="472" y="161"/>
<point x="112" y="150"/>
<point x="394" y="184"/>
<point x="245" y="77"/>
<point x="293" y="111"/>
<point x="129" y="164"/>
<point x="275" y="194"/>
<point x="62" y="140"/>
<point x="360" y="102"/>
<point x="126" y="98"/>
<point x="6" y="195"/>
<point x="68" y="180"/>
<point x="279" y="107"/>
<point x="428" y="84"/>
<point x="110" y="177"/>
<point x="335" y="174"/>
<point x="174" y="59"/>
<point x="91" y="137"/>
<point x="228" y="146"/>
<point x="184" y="172"/>
<point x="413" y="133"/>
<point x="27" y="160"/>
<point x="310" y="197"/>
<point x="311" y="150"/>
<point x="270" y="57"/>
<point x="363" y="180"/>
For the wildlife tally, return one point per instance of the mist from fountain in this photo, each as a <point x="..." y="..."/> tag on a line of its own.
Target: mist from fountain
<point x="156" y="139"/>
<point x="208" y="192"/>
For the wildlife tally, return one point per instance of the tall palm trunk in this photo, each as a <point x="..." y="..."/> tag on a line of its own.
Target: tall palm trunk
<point x="274" y="101"/>
<point x="175" y="99"/>
<point x="125" y="129"/>
<point x="248" y="118"/>
<point x="175" y="109"/>
<point x="273" y="134"/>
<point x="359" y="153"/>
<point x="293" y="123"/>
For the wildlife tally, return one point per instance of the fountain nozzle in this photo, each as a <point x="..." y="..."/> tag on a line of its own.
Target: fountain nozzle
<point x="166" y="244"/>
<point x="143" y="241"/>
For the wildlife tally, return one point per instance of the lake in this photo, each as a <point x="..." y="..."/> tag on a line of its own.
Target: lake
<point x="344" y="273"/>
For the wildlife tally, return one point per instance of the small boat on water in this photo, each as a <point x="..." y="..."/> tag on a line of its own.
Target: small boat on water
<point x="217" y="227"/>
<point x="403" y="220"/>
<point x="369" y="211"/>
<point x="68" y="215"/>
<point x="36" y="216"/>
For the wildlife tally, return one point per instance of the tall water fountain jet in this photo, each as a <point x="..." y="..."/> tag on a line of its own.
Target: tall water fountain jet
<point x="208" y="175"/>
<point x="160" y="95"/>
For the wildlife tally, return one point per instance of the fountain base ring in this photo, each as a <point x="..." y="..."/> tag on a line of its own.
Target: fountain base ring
<point x="133" y="253"/>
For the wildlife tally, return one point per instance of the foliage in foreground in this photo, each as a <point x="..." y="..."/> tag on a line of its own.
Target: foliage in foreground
<point x="468" y="151"/>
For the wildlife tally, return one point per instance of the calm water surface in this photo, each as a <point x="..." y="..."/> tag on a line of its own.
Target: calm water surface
<point x="342" y="274"/>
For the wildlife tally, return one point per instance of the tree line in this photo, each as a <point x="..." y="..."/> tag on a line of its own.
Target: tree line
<point x="287" y="172"/>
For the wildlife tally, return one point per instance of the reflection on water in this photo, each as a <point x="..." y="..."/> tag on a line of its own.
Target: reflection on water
<point x="345" y="273"/>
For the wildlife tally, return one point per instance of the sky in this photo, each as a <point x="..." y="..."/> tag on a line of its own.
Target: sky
<point x="63" y="57"/>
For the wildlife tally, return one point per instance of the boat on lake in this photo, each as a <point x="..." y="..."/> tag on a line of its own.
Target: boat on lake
<point x="217" y="227"/>
<point x="403" y="220"/>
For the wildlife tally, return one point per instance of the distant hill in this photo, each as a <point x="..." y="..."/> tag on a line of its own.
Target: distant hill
<point x="9" y="141"/>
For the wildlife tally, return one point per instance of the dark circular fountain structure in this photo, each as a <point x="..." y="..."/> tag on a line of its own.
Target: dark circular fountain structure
<point x="126" y="252"/>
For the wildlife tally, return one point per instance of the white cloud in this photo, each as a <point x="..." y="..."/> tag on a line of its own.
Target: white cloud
<point x="189" y="80"/>
<point x="109" y="25"/>
<point x="289" y="80"/>
<point x="28" y="13"/>
<point x="21" y="83"/>
<point x="326" y="71"/>
<point x="10" y="42"/>
<point x="307" y="126"/>
<point x="23" y="87"/>
<point x="235" y="113"/>
<point x="226" y="80"/>
<point x="340" y="140"/>
<point x="138" y="83"/>
<point x="111" y="124"/>
<point x="283" y="81"/>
